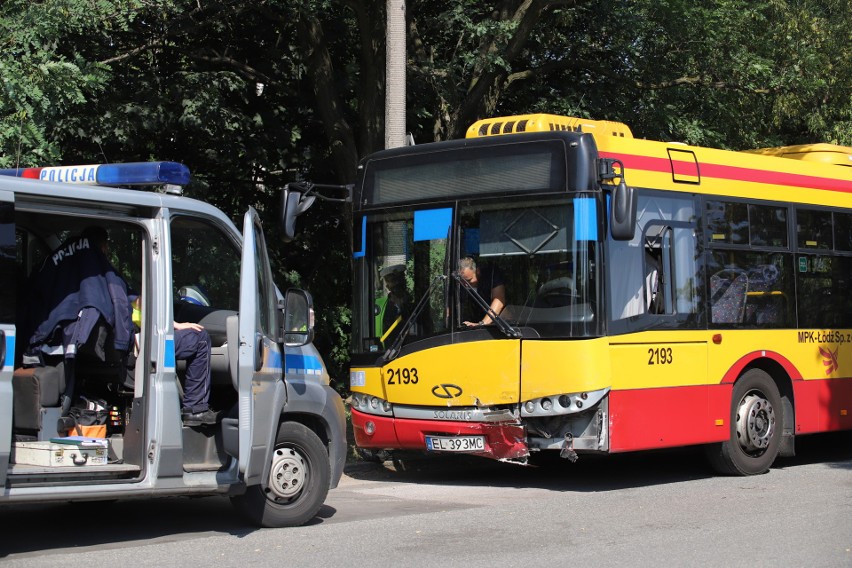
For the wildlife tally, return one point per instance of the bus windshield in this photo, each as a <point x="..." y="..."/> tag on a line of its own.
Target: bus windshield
<point x="543" y="252"/>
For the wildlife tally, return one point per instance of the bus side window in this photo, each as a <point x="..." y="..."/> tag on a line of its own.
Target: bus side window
<point x="654" y="276"/>
<point x="658" y="271"/>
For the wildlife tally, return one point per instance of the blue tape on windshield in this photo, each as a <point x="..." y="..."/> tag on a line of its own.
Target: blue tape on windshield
<point x="360" y="253"/>
<point x="585" y="220"/>
<point x="432" y="224"/>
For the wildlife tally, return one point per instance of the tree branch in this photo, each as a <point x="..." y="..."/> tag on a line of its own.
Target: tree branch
<point x="701" y="82"/>
<point x="594" y="68"/>
<point x="152" y="46"/>
<point x="486" y="86"/>
<point x="183" y="24"/>
<point x="243" y="69"/>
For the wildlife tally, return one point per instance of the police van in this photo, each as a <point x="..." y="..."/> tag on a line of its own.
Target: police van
<point x="85" y="419"/>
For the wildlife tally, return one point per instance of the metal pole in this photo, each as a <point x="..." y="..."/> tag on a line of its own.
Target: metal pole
<point x="395" y="75"/>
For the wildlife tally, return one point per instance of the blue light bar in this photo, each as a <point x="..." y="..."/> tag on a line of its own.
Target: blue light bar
<point x="143" y="173"/>
<point x="110" y="175"/>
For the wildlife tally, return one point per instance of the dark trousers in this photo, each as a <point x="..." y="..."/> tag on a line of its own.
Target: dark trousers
<point x="194" y="347"/>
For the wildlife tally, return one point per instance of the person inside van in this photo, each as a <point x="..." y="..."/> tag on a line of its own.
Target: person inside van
<point x="76" y="299"/>
<point x="192" y="344"/>
<point x="75" y="286"/>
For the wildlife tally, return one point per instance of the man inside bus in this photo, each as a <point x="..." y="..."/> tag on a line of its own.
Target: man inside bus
<point x="489" y="284"/>
<point x="394" y="307"/>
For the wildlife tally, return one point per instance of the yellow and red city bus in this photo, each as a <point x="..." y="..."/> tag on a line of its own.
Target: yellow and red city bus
<point x="655" y="295"/>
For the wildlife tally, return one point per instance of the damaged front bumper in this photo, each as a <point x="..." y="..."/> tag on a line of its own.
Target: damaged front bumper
<point x="505" y="440"/>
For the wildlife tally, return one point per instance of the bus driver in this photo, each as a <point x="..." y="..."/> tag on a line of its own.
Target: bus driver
<point x="489" y="283"/>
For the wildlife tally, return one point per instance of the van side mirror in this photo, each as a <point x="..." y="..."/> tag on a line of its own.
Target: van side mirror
<point x="298" y="318"/>
<point x="622" y="223"/>
<point x="293" y="203"/>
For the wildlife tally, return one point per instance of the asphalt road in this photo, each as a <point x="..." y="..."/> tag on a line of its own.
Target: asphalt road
<point x="649" y="509"/>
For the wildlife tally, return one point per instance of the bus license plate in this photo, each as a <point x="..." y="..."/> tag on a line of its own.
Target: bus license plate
<point x="455" y="443"/>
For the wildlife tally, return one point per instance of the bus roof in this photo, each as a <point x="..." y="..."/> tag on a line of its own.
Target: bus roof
<point x="788" y="173"/>
<point x="545" y="123"/>
<point x="820" y="153"/>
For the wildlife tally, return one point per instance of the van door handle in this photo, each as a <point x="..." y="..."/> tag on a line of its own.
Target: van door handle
<point x="258" y="352"/>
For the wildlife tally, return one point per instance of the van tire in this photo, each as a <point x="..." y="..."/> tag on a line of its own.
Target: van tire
<point x="299" y="479"/>
<point x="756" y="424"/>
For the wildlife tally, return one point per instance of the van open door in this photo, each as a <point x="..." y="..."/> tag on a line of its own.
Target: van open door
<point x="8" y="289"/>
<point x="262" y="391"/>
<point x="285" y="465"/>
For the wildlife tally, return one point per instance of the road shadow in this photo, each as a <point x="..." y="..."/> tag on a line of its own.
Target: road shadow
<point x="833" y="449"/>
<point x="117" y="524"/>
<point x="590" y="472"/>
<point x="114" y="524"/>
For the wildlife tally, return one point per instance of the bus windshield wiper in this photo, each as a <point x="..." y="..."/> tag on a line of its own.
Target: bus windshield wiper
<point x="393" y="350"/>
<point x="503" y="325"/>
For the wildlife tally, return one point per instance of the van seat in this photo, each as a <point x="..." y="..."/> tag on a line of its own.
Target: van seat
<point x="33" y="390"/>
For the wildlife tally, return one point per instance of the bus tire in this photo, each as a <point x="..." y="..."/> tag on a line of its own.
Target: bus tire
<point x="756" y="424"/>
<point x="299" y="479"/>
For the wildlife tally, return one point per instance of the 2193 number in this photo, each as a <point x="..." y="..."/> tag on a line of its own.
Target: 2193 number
<point x="660" y="356"/>
<point x="402" y="376"/>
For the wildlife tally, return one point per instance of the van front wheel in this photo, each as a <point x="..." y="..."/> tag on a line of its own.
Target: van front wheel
<point x="298" y="483"/>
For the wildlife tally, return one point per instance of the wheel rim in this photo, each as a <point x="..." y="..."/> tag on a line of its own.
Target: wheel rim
<point x="288" y="474"/>
<point x="755" y="423"/>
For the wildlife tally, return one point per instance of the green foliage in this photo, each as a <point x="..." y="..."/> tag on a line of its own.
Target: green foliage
<point x="728" y="73"/>
<point x="44" y="78"/>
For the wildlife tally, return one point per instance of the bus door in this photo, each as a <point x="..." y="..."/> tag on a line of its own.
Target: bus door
<point x="8" y="289"/>
<point x="659" y="353"/>
<point x="262" y="392"/>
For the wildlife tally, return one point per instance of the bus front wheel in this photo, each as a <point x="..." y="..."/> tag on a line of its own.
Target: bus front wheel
<point x="298" y="481"/>
<point x="755" y="427"/>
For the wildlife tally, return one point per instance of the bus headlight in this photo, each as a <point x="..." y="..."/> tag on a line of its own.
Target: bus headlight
<point x="371" y="404"/>
<point x="568" y="403"/>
